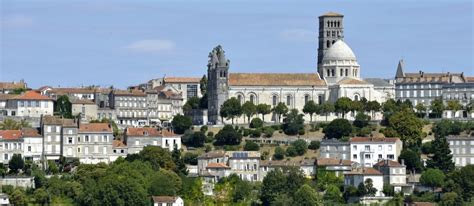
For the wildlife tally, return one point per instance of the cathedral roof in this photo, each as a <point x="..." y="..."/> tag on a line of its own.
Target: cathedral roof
<point x="339" y="51"/>
<point x="275" y="79"/>
<point x="332" y="14"/>
<point x="348" y="80"/>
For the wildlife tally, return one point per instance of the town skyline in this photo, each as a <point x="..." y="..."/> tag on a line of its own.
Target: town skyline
<point x="37" y="45"/>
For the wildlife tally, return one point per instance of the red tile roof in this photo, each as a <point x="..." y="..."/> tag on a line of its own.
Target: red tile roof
<point x="217" y="165"/>
<point x="134" y="92"/>
<point x="182" y="79"/>
<point x="95" y="127"/>
<point x="30" y="132"/>
<point x="31" y="95"/>
<point x="10" y="134"/>
<point x="275" y="79"/>
<point x="164" y="199"/>
<point x="388" y="163"/>
<point x="118" y="143"/>
<point x="140" y="132"/>
<point x="364" y="171"/>
<point x="469" y="79"/>
<point x="7" y="96"/>
<point x="373" y="139"/>
<point x="12" y="85"/>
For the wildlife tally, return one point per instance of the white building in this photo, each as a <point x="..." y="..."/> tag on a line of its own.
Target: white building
<point x="11" y="142"/>
<point x="367" y="151"/>
<point x="4" y="199"/>
<point x="29" y="104"/>
<point x="462" y="149"/>
<point x="360" y="175"/>
<point x="32" y="144"/>
<point x="394" y="174"/>
<point x="137" y="138"/>
<point x="167" y="201"/>
<point x="210" y="157"/>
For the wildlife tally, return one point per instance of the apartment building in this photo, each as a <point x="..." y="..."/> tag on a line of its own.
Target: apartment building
<point x="462" y="149"/>
<point x="11" y="142"/>
<point x="32" y="144"/>
<point x="367" y="151"/>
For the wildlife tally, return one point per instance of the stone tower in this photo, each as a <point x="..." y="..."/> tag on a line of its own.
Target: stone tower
<point x="218" y="83"/>
<point x="330" y="30"/>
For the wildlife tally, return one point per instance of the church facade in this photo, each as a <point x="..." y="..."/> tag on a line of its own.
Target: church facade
<point x="338" y="75"/>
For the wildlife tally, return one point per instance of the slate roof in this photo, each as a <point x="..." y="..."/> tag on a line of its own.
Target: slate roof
<point x="81" y="101"/>
<point x="275" y="79"/>
<point x="378" y="82"/>
<point x="213" y="154"/>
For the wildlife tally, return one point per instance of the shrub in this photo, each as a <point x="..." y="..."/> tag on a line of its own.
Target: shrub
<point x="190" y="158"/>
<point x="314" y="145"/>
<point x="300" y="146"/>
<point x="361" y="120"/>
<point x="246" y="132"/>
<point x="256" y="123"/>
<point x="427" y="148"/>
<point x="291" y="151"/>
<point x="210" y="134"/>
<point x="181" y="123"/>
<point x="256" y="132"/>
<point x="276" y="127"/>
<point x="251" y="146"/>
<point x="338" y="128"/>
<point x="268" y="131"/>
<point x="301" y="132"/>
<point x="279" y="153"/>
<point x="204" y="129"/>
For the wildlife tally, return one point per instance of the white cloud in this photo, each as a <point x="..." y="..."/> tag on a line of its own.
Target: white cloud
<point x="151" y="46"/>
<point x="17" y="20"/>
<point x="298" y="35"/>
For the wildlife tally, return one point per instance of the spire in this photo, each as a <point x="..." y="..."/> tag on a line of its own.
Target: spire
<point x="400" y="73"/>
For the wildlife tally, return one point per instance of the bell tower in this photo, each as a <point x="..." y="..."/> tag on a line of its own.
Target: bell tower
<point x="330" y="30"/>
<point x="218" y="83"/>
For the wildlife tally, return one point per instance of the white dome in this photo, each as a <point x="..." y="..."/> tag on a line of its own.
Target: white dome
<point x="339" y="51"/>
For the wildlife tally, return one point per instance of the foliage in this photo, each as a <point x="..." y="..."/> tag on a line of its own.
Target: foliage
<point x="343" y="105"/>
<point x="327" y="108"/>
<point x="203" y="129"/>
<point x="41" y="196"/>
<point x="442" y="158"/>
<point x="427" y="148"/>
<point x="388" y="190"/>
<point x="326" y="178"/>
<point x="453" y="105"/>
<point x="361" y="120"/>
<point x="432" y="178"/>
<point x="278" y="182"/>
<point x="231" y="109"/>
<point x="190" y="158"/>
<point x="10" y="124"/>
<point x="181" y="168"/>
<point x="181" y="123"/>
<point x="165" y="183"/>
<point x="311" y="108"/>
<point x="293" y="123"/>
<point x="279" y="153"/>
<point x="191" y="103"/>
<point x="157" y="157"/>
<point x="256" y="123"/>
<point x="465" y="179"/>
<point x="420" y="109"/>
<point x="195" y="139"/>
<point x="264" y="109"/>
<point x="63" y="107"/>
<point x="249" y="109"/>
<point x="300" y="146"/>
<point x="251" y="146"/>
<point x="203" y="85"/>
<point x="366" y="188"/>
<point x="411" y="159"/>
<point x="408" y="127"/>
<point x="18" y="197"/>
<point x="228" y="136"/>
<point x="16" y="163"/>
<point x="268" y="131"/>
<point x="338" y="128"/>
<point x="447" y="127"/>
<point x="314" y="145"/>
<point x="372" y="106"/>
<point x="280" y="109"/>
<point x="437" y="107"/>
<point x="307" y="196"/>
<point x="450" y="198"/>
<point x="333" y="194"/>
<point x="291" y="151"/>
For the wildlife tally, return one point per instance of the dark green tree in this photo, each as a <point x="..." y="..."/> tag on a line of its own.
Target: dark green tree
<point x="369" y="187"/>
<point x="251" y="146"/>
<point x="231" y="109"/>
<point x="442" y="158"/>
<point x="300" y="146"/>
<point x="420" y="110"/>
<point x="249" y="109"/>
<point x="256" y="123"/>
<point x="408" y="126"/>
<point x="310" y="108"/>
<point x="372" y="107"/>
<point x="228" y="136"/>
<point x="165" y="183"/>
<point x="264" y="109"/>
<point x="63" y="107"/>
<point x="181" y="123"/>
<point x="158" y="158"/>
<point x="16" y="163"/>
<point x="361" y="120"/>
<point x="18" y="197"/>
<point x="279" y="153"/>
<point x="307" y="196"/>
<point x="343" y="105"/>
<point x="338" y="128"/>
<point x="41" y="196"/>
<point x="293" y="123"/>
<point x="181" y="168"/>
<point x="432" y="178"/>
<point x="280" y="109"/>
<point x="437" y="107"/>
<point x="327" y="108"/>
<point x="273" y="185"/>
<point x="314" y="145"/>
<point x="333" y="195"/>
<point x="465" y="179"/>
<point x="411" y="159"/>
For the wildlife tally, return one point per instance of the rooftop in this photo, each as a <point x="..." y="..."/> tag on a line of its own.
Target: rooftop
<point x="31" y="95"/>
<point x="373" y="139"/>
<point x="118" y="143"/>
<point x="95" y="127"/>
<point x="379" y="82"/>
<point x="332" y="162"/>
<point x="12" y="85"/>
<point x="30" y="132"/>
<point x="331" y="14"/>
<point x="364" y="171"/>
<point x="182" y="79"/>
<point x="81" y="101"/>
<point x="217" y="165"/>
<point x="143" y="132"/>
<point x="213" y="154"/>
<point x="275" y="79"/>
<point x="348" y="80"/>
<point x="129" y="93"/>
<point x="164" y="199"/>
<point x="10" y="134"/>
<point x="388" y="163"/>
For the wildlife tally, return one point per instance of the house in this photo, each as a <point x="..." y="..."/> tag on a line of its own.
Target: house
<point x="394" y="174"/>
<point x="29" y="104"/>
<point x="462" y="149"/>
<point x="94" y="143"/>
<point x="308" y="167"/>
<point x="52" y="129"/>
<point x="217" y="171"/>
<point x="32" y="144"/>
<point x="119" y="149"/>
<point x="11" y="142"/>
<point x="210" y="157"/>
<point x="338" y="166"/>
<point x="10" y="87"/>
<point x="87" y="109"/>
<point x="187" y="86"/>
<point x="333" y="148"/>
<point x="4" y="199"/>
<point x="269" y="165"/>
<point x="244" y="164"/>
<point x="361" y="174"/>
<point x="167" y="201"/>
<point x="367" y="151"/>
<point x="137" y="138"/>
<point x="130" y="107"/>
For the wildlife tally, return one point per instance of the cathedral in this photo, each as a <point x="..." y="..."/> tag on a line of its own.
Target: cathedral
<point x="338" y="75"/>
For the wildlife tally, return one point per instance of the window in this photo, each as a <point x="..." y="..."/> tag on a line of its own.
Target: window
<point x="389" y="147"/>
<point x="274" y="100"/>
<point x="354" y="147"/>
<point x="391" y="157"/>
<point x="354" y="156"/>
<point x="239" y="97"/>
<point x="356" y="97"/>
<point x="137" y="142"/>
<point x="367" y="147"/>
<point x="58" y="129"/>
<point x="288" y="100"/>
<point x="86" y="138"/>
<point x="104" y="150"/>
<point x="191" y="91"/>
<point x="69" y="140"/>
<point x="29" y="148"/>
<point x="306" y="98"/>
<point x="86" y="150"/>
<point x="367" y="156"/>
<point x="380" y="147"/>
<point x="252" y="98"/>
<point x="78" y="150"/>
<point x="58" y="138"/>
<point x="380" y="156"/>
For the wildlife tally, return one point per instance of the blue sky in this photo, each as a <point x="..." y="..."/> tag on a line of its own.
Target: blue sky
<point x="121" y="43"/>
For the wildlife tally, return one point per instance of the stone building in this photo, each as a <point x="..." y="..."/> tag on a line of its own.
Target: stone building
<point x="29" y="104"/>
<point x="360" y="175"/>
<point x="53" y="128"/>
<point x="86" y="109"/>
<point x="137" y="138"/>
<point x="187" y="87"/>
<point x="130" y="107"/>
<point x="462" y="149"/>
<point x="394" y="174"/>
<point x="333" y="148"/>
<point x="244" y="164"/>
<point x="10" y="87"/>
<point x="94" y="143"/>
<point x="338" y="166"/>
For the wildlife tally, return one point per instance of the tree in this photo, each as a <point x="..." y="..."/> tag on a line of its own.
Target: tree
<point x="181" y="168"/>
<point x="280" y="109"/>
<point x="338" y="128"/>
<point x="389" y="108"/>
<point x="228" y="136"/>
<point x="273" y="185"/>
<point x="427" y="148"/>
<point x="256" y="123"/>
<point x="251" y="146"/>
<point x="194" y="139"/>
<point x="203" y="101"/>
<point x="388" y="190"/>
<point x="373" y="107"/>
<point x="361" y="120"/>
<point x="437" y="107"/>
<point x="314" y="145"/>
<point x="158" y="158"/>
<point x="16" y="163"/>
<point x="343" y="105"/>
<point x="432" y="178"/>
<point x="310" y="108"/>
<point x="408" y="126"/>
<point x="450" y="198"/>
<point x="465" y="179"/>
<point x="442" y="158"/>
<point x="181" y="123"/>
<point x="264" y="109"/>
<point x="411" y="159"/>
<point x="116" y="189"/>
<point x="300" y="146"/>
<point x="231" y="109"/>
<point x="10" y="124"/>
<point x="333" y="194"/>
<point x="63" y="107"/>
<point x="279" y="153"/>
<point x="307" y="196"/>
<point x="190" y="158"/>
<point x="249" y="109"/>
<point x="165" y="183"/>
<point x="361" y="189"/>
<point x="420" y="110"/>
<point x="18" y="197"/>
<point x="293" y="123"/>
<point x="369" y="186"/>
<point x="203" y="85"/>
<point x="41" y="196"/>
<point x="453" y="105"/>
<point x="327" y="108"/>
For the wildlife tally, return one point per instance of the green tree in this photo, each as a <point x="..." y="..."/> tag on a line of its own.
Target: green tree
<point x="437" y="107"/>
<point x="10" y="124"/>
<point x="280" y="109"/>
<point x="411" y="159"/>
<point x="119" y="190"/>
<point x="191" y="103"/>
<point x="249" y="109"/>
<point x="327" y="108"/>
<point x="310" y="108"/>
<point x="181" y="123"/>
<point x="307" y="196"/>
<point x="427" y="148"/>
<point x="165" y="183"/>
<point x="203" y="101"/>
<point x="372" y="107"/>
<point x="279" y="153"/>
<point x="333" y="194"/>
<point x="300" y="146"/>
<point x="63" y="107"/>
<point x="273" y="185"/>
<point x="442" y="158"/>
<point x="181" y="168"/>
<point x="389" y="108"/>
<point x="18" y="197"/>
<point x="420" y="110"/>
<point x="450" y="199"/>
<point x="251" y="146"/>
<point x="453" y="105"/>
<point x="293" y="123"/>
<point x="361" y="120"/>
<point x="256" y="123"/>
<point x="193" y="139"/>
<point x="264" y="109"/>
<point x="41" y="196"/>
<point x="338" y="128"/>
<point x="408" y="126"/>
<point x="369" y="187"/>
<point x="158" y="158"/>
<point x="231" y="109"/>
<point x="343" y="105"/>
<point x="228" y="136"/>
<point x="16" y="163"/>
<point x="314" y="145"/>
<point x="432" y="178"/>
<point x="203" y="85"/>
<point x="465" y="179"/>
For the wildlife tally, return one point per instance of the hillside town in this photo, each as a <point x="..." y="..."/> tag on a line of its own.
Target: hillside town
<point x="331" y="137"/>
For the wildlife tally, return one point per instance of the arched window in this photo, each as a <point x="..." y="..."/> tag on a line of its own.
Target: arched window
<point x="274" y="100"/>
<point x="288" y="100"/>
<point x="328" y="23"/>
<point x="347" y="72"/>
<point x="252" y="98"/>
<point x="320" y="99"/>
<point x="342" y="72"/>
<point x="306" y="98"/>
<point x="356" y="97"/>
<point x="333" y="72"/>
<point x="239" y="97"/>
<point x="328" y="73"/>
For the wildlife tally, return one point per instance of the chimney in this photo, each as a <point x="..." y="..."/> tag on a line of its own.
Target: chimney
<point x="403" y="162"/>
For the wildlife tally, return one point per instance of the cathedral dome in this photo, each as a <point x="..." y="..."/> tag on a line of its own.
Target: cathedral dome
<point x="339" y="51"/>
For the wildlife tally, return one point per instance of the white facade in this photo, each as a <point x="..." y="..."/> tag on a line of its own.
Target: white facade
<point x="33" y="148"/>
<point x="167" y="201"/>
<point x="355" y="178"/>
<point x="368" y="151"/>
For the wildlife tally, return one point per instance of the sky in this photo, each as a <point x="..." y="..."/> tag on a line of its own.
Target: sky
<point x="123" y="43"/>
